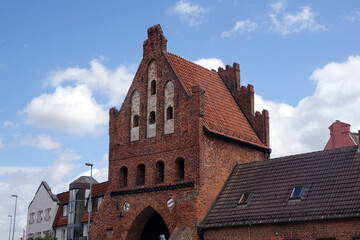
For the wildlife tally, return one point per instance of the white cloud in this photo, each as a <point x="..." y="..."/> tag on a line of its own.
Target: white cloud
<point x="1" y="143"/>
<point x="24" y="182"/>
<point x="10" y="124"/>
<point x="278" y="6"/>
<point x="71" y="109"/>
<point x="191" y="13"/>
<point x="353" y="16"/>
<point x="286" y="23"/>
<point x="113" y="84"/>
<point x="210" y="63"/>
<point x="240" y="27"/>
<point x="42" y="141"/>
<point x="304" y="128"/>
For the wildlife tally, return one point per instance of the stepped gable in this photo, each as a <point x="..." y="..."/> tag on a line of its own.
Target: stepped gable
<point x="222" y="115"/>
<point x="59" y="219"/>
<point x="331" y="190"/>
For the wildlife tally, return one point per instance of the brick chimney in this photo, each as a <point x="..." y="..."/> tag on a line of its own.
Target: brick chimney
<point x="340" y="136"/>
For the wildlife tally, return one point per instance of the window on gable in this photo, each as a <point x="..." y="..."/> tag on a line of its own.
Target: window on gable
<point x="140" y="175"/>
<point x="297" y="192"/>
<point x="245" y="197"/>
<point x="32" y="218"/>
<point x="153" y="87"/>
<point x="159" y="172"/>
<point x="169" y="113"/>
<point x="136" y="121"/>
<point x="39" y="216"/>
<point x="152" y="118"/>
<point x="47" y="214"/>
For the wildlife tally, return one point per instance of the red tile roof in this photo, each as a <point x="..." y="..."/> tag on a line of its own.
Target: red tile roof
<point x="98" y="190"/>
<point x="59" y="219"/>
<point x="222" y="115"/>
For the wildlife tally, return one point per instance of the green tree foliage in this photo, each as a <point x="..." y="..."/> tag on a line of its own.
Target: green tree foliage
<point x="49" y="235"/>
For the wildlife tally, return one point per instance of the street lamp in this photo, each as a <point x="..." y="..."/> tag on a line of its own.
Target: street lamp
<point x="10" y="216"/>
<point x="89" y="202"/>
<point x="15" y="196"/>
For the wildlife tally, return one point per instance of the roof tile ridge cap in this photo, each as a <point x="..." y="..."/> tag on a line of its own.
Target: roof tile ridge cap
<point x="188" y="92"/>
<point x="210" y="71"/>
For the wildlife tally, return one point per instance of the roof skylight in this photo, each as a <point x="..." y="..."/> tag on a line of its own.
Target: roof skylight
<point x="244" y="199"/>
<point x="297" y="192"/>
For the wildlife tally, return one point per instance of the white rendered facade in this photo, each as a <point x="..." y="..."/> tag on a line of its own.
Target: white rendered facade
<point x="41" y="212"/>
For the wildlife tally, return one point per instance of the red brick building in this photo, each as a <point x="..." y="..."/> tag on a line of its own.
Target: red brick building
<point x="173" y="143"/>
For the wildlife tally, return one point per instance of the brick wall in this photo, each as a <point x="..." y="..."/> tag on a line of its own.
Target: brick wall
<point x="208" y="159"/>
<point x="344" y="229"/>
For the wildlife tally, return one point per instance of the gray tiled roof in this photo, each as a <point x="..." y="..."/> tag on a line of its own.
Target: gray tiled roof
<point x="355" y="137"/>
<point x="332" y="190"/>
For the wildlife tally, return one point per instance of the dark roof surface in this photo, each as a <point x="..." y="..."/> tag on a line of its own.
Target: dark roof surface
<point x="332" y="190"/>
<point x="82" y="182"/>
<point x="355" y="137"/>
<point x="222" y="115"/>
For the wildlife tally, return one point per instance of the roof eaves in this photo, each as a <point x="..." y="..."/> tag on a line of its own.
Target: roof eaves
<point x="209" y="131"/>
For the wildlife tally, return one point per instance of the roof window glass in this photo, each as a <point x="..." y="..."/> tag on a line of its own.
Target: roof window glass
<point x="296" y="192"/>
<point x="245" y="197"/>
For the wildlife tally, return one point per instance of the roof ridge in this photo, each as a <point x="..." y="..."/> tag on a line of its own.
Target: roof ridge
<point x="297" y="155"/>
<point x="192" y="62"/>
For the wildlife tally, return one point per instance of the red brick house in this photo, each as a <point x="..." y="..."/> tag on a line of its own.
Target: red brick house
<point x="340" y="136"/>
<point x="173" y="143"/>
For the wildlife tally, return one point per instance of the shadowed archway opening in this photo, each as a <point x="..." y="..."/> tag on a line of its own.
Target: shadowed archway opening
<point x="148" y="225"/>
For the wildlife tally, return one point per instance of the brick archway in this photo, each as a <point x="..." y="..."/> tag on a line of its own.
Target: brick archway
<point x="148" y="222"/>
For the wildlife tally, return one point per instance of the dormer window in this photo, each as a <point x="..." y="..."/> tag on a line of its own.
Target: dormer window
<point x="152" y="118"/>
<point x="245" y="197"/>
<point x="153" y="87"/>
<point x="297" y="192"/>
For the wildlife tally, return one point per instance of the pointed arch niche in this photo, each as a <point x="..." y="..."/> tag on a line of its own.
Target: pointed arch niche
<point x="151" y="103"/>
<point x="134" y="121"/>
<point x="169" y="108"/>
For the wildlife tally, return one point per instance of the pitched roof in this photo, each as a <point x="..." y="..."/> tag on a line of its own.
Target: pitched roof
<point x="59" y="219"/>
<point x="97" y="191"/>
<point x="222" y="115"/>
<point x="331" y="180"/>
<point x="48" y="189"/>
<point x="355" y="137"/>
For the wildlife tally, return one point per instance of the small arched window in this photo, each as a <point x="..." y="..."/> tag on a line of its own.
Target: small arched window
<point x="180" y="169"/>
<point x="136" y="121"/>
<point x="140" y="175"/>
<point x="169" y="113"/>
<point x="159" y="172"/>
<point x="123" y="176"/>
<point x="153" y="87"/>
<point x="152" y="118"/>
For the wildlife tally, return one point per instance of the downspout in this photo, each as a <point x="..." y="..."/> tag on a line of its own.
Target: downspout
<point x="249" y="230"/>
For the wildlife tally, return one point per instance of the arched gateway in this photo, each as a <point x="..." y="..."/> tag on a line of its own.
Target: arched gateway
<point x="148" y="225"/>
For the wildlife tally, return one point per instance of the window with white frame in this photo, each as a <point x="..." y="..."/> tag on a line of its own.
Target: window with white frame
<point x="47" y="214"/>
<point x="100" y="200"/>
<point x="65" y="210"/>
<point x="39" y="216"/>
<point x="32" y="218"/>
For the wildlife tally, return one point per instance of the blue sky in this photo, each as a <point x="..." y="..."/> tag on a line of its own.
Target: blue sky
<point x="63" y="64"/>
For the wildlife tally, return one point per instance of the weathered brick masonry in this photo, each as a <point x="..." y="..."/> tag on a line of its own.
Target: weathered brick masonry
<point x="204" y="128"/>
